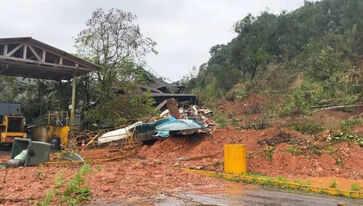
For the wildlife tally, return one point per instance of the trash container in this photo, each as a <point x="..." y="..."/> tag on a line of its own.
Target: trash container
<point x="38" y="152"/>
<point x="19" y="145"/>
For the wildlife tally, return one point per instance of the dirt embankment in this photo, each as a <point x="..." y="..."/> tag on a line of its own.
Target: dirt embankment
<point x="270" y="151"/>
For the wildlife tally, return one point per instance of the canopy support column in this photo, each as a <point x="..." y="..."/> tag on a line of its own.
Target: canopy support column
<point x="73" y="103"/>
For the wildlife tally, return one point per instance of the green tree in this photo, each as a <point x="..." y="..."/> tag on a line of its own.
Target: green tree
<point x="114" y="41"/>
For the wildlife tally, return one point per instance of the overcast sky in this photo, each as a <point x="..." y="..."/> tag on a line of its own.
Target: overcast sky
<point x="183" y="29"/>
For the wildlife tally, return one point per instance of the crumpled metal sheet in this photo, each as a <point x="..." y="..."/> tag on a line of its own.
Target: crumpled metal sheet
<point x="118" y="134"/>
<point x="182" y="125"/>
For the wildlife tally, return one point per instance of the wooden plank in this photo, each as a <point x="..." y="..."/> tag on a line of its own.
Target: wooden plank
<point x="35" y="53"/>
<point x="5" y="50"/>
<point x="161" y="105"/>
<point x="24" y="51"/>
<point x="15" y="50"/>
<point x="43" y="55"/>
<point x="173" y="108"/>
<point x="41" y="74"/>
<point x="20" y="60"/>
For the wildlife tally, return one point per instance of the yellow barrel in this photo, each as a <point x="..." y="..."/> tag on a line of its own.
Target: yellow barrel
<point x="235" y="159"/>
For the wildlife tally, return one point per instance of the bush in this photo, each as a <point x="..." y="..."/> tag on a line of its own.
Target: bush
<point x="347" y="125"/>
<point x="302" y="97"/>
<point x="306" y="126"/>
<point x="238" y="92"/>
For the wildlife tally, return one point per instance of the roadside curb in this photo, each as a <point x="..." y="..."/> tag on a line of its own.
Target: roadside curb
<point x="279" y="184"/>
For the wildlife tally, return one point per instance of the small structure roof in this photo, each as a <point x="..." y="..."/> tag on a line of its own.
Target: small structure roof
<point x="27" y="57"/>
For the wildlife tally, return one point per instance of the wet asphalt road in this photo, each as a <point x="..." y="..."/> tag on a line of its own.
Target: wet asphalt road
<point x="254" y="197"/>
<point x="260" y="197"/>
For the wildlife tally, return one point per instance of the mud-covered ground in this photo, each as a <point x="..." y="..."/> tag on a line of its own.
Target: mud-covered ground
<point x="157" y="168"/>
<point x="207" y="153"/>
<point x="127" y="180"/>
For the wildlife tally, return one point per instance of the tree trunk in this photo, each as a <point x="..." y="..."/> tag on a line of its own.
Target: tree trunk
<point x="253" y="73"/>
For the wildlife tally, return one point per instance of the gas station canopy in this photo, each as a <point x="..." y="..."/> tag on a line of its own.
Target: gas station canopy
<point x="27" y="57"/>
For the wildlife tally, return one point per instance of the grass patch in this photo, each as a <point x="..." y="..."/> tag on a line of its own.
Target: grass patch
<point x="329" y="149"/>
<point x="269" y="152"/>
<point x="315" y="148"/>
<point x="339" y="161"/>
<point x="261" y="123"/>
<point x="306" y="126"/>
<point x="48" y="198"/>
<point x="51" y="194"/>
<point x="355" y="187"/>
<point x="293" y="150"/>
<point x="281" y="178"/>
<point x="222" y="120"/>
<point x="257" y="175"/>
<point x="333" y="184"/>
<point x="74" y="193"/>
<point x="308" y="182"/>
<point x="348" y="124"/>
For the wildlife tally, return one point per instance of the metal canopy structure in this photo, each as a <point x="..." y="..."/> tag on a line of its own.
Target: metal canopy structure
<point x="30" y="58"/>
<point x="27" y="57"/>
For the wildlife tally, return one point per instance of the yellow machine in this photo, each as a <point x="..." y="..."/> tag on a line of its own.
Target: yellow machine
<point x="12" y="126"/>
<point x="56" y="128"/>
<point x="60" y="132"/>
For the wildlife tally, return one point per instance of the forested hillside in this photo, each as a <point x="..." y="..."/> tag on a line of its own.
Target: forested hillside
<point x="308" y="57"/>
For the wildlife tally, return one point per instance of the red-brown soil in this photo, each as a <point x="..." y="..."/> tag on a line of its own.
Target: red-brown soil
<point x="156" y="168"/>
<point x="130" y="179"/>
<point x="283" y="162"/>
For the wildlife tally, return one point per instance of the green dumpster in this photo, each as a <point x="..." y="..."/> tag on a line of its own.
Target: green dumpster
<point x="38" y="152"/>
<point x="18" y="146"/>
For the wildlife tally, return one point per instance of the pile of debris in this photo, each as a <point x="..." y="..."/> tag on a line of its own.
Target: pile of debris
<point x="173" y="120"/>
